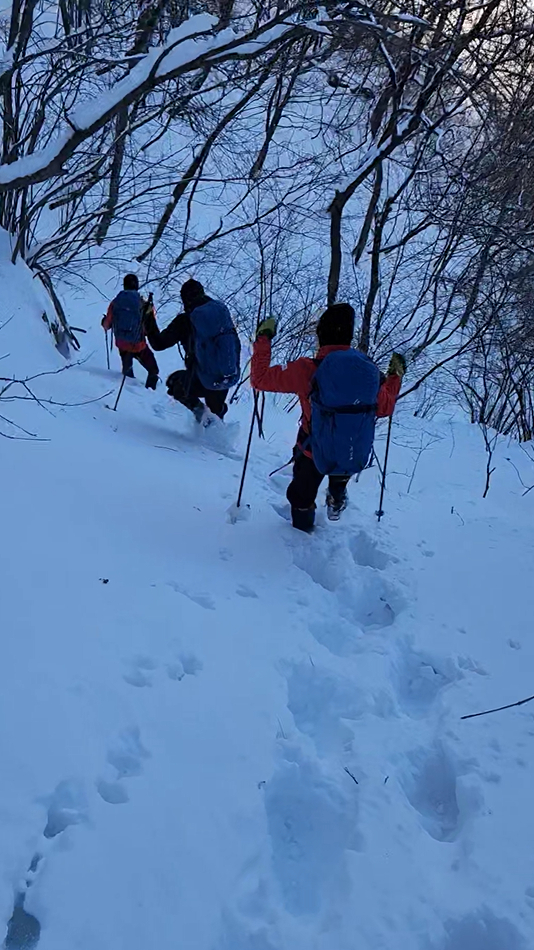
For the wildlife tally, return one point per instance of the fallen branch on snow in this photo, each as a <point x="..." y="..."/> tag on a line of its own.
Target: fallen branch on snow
<point x="499" y="708"/>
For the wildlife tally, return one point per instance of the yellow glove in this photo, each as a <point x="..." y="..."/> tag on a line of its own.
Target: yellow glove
<point x="267" y="328"/>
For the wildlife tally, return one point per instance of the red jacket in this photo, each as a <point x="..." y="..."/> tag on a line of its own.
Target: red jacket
<point x="123" y="345"/>
<point x="297" y="378"/>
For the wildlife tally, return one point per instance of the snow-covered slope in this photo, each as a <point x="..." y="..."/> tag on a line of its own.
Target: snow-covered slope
<point x="222" y="736"/>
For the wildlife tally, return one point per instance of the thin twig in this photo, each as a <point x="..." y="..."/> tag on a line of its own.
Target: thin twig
<point x="354" y="779"/>
<point x="10" y="422"/>
<point x="499" y="708"/>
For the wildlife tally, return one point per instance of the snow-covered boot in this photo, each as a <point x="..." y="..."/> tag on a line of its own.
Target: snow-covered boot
<point x="336" y="506"/>
<point x="303" y="518"/>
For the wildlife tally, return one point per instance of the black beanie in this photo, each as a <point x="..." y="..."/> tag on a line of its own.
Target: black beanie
<point x="191" y="291"/>
<point x="336" y="325"/>
<point x="131" y="282"/>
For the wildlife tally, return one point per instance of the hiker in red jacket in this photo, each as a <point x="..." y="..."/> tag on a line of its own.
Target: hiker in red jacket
<point x="126" y="315"/>
<point x="334" y="331"/>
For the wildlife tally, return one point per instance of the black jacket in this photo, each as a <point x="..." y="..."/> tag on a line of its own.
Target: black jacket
<point x="178" y="333"/>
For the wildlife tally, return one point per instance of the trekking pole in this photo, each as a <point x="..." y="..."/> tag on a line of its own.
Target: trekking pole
<point x="114" y="408"/>
<point x="107" y="349"/>
<point x="380" y="511"/>
<point x="259" y="414"/>
<point x="247" y="453"/>
<point x="282" y="467"/>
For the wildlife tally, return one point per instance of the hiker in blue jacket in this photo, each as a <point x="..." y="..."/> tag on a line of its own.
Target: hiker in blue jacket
<point x="211" y="345"/>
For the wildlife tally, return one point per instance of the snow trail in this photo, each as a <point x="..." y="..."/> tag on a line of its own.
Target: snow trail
<point x="277" y="716"/>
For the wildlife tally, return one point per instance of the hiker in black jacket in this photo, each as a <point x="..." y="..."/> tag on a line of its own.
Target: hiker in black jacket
<point x="185" y="385"/>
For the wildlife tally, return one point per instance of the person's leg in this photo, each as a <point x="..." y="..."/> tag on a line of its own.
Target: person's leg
<point x="302" y="492"/>
<point x="336" y="498"/>
<point x="183" y="387"/>
<point x="127" y="363"/>
<point x="216" y="401"/>
<point x="148" y="362"/>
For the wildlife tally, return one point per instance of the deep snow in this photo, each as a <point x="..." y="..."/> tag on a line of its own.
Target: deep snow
<point x="222" y="736"/>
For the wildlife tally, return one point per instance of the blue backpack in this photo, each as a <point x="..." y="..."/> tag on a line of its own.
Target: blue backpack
<point x="128" y="317"/>
<point x="216" y="346"/>
<point x="344" y="401"/>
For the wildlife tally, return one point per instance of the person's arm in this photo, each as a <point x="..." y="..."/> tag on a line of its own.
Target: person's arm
<point x="177" y="332"/>
<point x="107" y="322"/>
<point x="387" y="395"/>
<point x="292" y="378"/>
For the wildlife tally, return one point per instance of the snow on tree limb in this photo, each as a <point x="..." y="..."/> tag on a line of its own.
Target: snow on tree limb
<point x="191" y="46"/>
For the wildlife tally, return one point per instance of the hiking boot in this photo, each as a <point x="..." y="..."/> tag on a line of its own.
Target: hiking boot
<point x="303" y="519"/>
<point x="129" y="374"/>
<point x="151" y="381"/>
<point x="336" y="506"/>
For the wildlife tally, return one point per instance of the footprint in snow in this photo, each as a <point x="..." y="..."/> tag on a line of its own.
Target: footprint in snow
<point x="244" y="591"/>
<point x="419" y="679"/>
<point x="283" y="511"/>
<point x="66" y="807"/>
<point x="366" y="553"/>
<point x="338" y="635"/>
<point x="325" y="565"/>
<point x="367" y="600"/>
<point x="128" y="754"/>
<point x="139" y="673"/>
<point x="481" y="930"/>
<point x="320" y="701"/>
<point x="430" y="783"/>
<point x="23" y="929"/>
<point x="186" y="665"/>
<point x="126" y="758"/>
<point x="112" y="792"/>
<point x="311" y="824"/>
<point x="471" y="666"/>
<point x="191" y="664"/>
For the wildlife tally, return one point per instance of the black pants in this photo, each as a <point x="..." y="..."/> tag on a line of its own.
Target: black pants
<point x="145" y="357"/>
<point x="303" y="489"/>
<point x="186" y="388"/>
